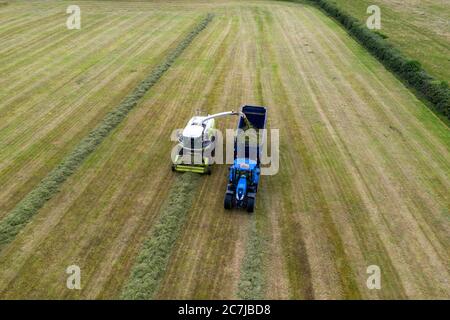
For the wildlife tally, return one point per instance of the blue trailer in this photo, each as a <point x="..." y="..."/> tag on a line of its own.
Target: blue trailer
<point x="244" y="174"/>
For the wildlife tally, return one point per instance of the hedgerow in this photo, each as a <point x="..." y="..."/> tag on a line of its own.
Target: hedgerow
<point x="152" y="260"/>
<point x="410" y="71"/>
<point x="50" y="185"/>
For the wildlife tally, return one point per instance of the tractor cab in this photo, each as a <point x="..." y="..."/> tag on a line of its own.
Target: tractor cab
<point x="244" y="175"/>
<point x="242" y="168"/>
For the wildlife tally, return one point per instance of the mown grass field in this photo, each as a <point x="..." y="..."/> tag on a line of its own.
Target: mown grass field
<point x="421" y="29"/>
<point x="364" y="171"/>
<point x="57" y="85"/>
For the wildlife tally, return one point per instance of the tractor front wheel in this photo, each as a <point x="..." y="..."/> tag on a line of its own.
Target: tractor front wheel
<point x="228" y="201"/>
<point x="250" y="205"/>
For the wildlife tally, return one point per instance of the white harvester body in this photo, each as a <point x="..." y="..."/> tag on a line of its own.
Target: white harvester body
<point x="197" y="143"/>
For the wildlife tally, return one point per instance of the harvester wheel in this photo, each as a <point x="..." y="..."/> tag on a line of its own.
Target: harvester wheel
<point x="173" y="167"/>
<point x="250" y="205"/>
<point x="228" y="201"/>
<point x="208" y="170"/>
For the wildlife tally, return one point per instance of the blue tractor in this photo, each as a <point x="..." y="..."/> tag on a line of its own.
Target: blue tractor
<point x="245" y="172"/>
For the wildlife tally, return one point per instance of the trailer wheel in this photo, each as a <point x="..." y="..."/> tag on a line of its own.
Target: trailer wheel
<point x="250" y="205"/>
<point x="228" y="201"/>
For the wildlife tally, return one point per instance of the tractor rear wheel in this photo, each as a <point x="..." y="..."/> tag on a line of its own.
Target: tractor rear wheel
<point x="250" y="205"/>
<point x="228" y="201"/>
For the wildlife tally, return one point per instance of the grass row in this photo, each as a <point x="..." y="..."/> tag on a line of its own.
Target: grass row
<point x="410" y="71"/>
<point x="11" y="225"/>
<point x="252" y="284"/>
<point x="153" y="258"/>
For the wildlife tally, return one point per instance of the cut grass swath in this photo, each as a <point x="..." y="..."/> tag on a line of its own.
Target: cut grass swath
<point x="152" y="260"/>
<point x="11" y="225"/>
<point x="252" y="281"/>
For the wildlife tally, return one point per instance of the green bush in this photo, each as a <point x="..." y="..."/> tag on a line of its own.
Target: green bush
<point x="153" y="258"/>
<point x="409" y="71"/>
<point x="33" y="201"/>
<point x="382" y="35"/>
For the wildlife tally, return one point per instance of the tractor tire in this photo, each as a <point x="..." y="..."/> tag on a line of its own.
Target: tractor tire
<point x="250" y="205"/>
<point x="227" y="204"/>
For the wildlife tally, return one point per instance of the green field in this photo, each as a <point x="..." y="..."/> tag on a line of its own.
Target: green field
<point x="364" y="165"/>
<point x="420" y="29"/>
